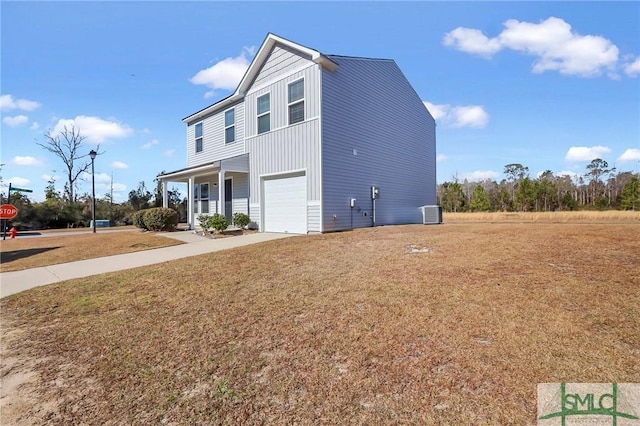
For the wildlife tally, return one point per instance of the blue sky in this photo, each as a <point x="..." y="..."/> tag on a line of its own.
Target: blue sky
<point x="550" y="85"/>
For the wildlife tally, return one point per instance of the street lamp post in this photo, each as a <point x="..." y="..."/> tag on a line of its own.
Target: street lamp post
<point x="93" y="154"/>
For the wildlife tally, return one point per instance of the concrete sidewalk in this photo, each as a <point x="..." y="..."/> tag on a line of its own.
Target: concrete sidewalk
<point x="17" y="281"/>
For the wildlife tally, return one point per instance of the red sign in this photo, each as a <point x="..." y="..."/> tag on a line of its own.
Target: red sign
<point x="8" y="211"/>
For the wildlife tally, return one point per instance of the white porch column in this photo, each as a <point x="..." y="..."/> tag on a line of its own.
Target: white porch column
<point x="190" y="202"/>
<point x="165" y="194"/>
<point x="221" y="199"/>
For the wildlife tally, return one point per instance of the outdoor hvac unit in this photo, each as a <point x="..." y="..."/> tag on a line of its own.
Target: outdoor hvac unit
<point x="431" y="215"/>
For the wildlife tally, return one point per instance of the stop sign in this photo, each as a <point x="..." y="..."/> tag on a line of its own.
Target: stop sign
<point x="8" y="211"/>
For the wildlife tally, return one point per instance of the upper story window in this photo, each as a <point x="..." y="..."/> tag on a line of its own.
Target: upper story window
<point x="199" y="137"/>
<point x="264" y="113"/>
<point x="229" y="126"/>
<point x="296" y="102"/>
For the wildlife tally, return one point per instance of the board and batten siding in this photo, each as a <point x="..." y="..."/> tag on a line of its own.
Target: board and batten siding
<point x="280" y="62"/>
<point x="285" y="147"/>
<point x="279" y="99"/>
<point x="375" y="131"/>
<point x="213" y="146"/>
<point x="293" y="148"/>
<point x="240" y="182"/>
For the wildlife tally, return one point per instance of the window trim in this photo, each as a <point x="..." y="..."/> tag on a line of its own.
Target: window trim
<point x="199" y="140"/>
<point x="297" y="101"/>
<point x="230" y="126"/>
<point x="199" y="200"/>
<point x="260" y="115"/>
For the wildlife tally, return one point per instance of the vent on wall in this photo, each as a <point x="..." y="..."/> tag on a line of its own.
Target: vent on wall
<point x="431" y="215"/>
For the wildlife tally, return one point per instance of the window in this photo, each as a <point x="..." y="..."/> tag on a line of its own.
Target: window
<point x="229" y="126"/>
<point x="204" y="198"/>
<point x="264" y="113"/>
<point x="296" y="102"/>
<point x="199" y="137"/>
<point x="201" y="198"/>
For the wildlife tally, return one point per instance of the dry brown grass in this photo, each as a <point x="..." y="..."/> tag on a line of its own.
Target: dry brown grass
<point x="345" y="328"/>
<point x="32" y="252"/>
<point x="608" y="216"/>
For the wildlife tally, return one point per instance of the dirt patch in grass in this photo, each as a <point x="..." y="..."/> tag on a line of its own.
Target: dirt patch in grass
<point x="33" y="252"/>
<point x="346" y="328"/>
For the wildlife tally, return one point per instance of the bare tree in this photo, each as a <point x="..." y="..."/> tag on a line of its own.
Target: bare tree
<point x="67" y="146"/>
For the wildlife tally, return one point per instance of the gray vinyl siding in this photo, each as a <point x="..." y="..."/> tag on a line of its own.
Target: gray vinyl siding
<point x="240" y="192"/>
<point x="313" y="216"/>
<point x="213" y="144"/>
<point x="369" y="106"/>
<point x="286" y="147"/>
<point x="236" y="164"/>
<point x="279" y="100"/>
<point x="254" y="214"/>
<point x="293" y="148"/>
<point x="281" y="61"/>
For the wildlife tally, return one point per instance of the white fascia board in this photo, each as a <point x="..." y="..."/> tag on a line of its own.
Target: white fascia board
<point x="212" y="108"/>
<point x="193" y="171"/>
<point x="254" y="68"/>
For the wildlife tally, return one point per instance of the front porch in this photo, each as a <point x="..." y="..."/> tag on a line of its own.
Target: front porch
<point x="218" y="187"/>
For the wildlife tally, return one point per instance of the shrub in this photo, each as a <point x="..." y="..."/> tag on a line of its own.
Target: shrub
<point x="218" y="222"/>
<point x="160" y="219"/>
<point x="203" y="220"/>
<point x="138" y="219"/>
<point x="241" y="220"/>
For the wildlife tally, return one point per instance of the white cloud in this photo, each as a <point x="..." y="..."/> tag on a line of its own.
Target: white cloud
<point x="437" y="111"/>
<point x="479" y="175"/>
<point x="15" y="121"/>
<point x="169" y="152"/>
<point x="25" y="161"/>
<point x="632" y="69"/>
<point x="149" y="144"/>
<point x="101" y="178"/>
<point x="119" y="187"/>
<point x="95" y="129"/>
<point x="552" y="42"/>
<point x="470" y="116"/>
<point x="586" y="153"/>
<point x="7" y="102"/>
<point x="631" y="154"/>
<point x="119" y="165"/>
<point x="225" y="74"/>
<point x="472" y="41"/>
<point x="459" y="116"/>
<point x="441" y="157"/>
<point x="19" y="182"/>
<point x="35" y="126"/>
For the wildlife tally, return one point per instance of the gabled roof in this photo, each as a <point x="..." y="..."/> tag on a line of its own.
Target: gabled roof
<point x="254" y="69"/>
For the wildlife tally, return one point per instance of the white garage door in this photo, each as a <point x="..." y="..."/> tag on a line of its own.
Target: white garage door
<point x="285" y="204"/>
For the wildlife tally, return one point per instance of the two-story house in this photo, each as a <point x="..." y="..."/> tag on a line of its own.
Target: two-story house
<point x="310" y="142"/>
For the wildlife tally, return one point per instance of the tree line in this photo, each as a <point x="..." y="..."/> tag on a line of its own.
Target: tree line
<point x="62" y="209"/>
<point x="58" y="211"/>
<point x="600" y="187"/>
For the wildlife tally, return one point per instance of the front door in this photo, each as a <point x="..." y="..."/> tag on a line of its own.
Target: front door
<point x="228" y="200"/>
